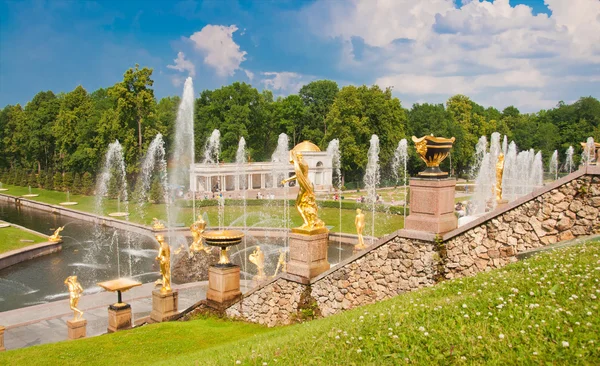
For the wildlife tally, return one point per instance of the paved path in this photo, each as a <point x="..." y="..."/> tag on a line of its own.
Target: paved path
<point x="47" y="323"/>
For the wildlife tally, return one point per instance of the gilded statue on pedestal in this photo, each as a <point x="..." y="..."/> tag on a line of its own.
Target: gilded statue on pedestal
<point x="75" y="291"/>
<point x="197" y="229"/>
<point x="157" y="224"/>
<point x="306" y="203"/>
<point x="56" y="237"/>
<point x="499" y="173"/>
<point x="281" y="263"/>
<point x="359" y="222"/>
<point x="164" y="258"/>
<point x="258" y="258"/>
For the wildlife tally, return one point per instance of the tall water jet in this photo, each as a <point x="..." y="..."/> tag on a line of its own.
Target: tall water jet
<point x="154" y="167"/>
<point x="212" y="150"/>
<point x="485" y="182"/>
<point x="569" y="159"/>
<point x="112" y="182"/>
<point x="240" y="161"/>
<point x="333" y="150"/>
<point x="510" y="176"/>
<point x="536" y="178"/>
<point x="371" y="179"/>
<point x="505" y="145"/>
<point x="553" y="166"/>
<point x="182" y="156"/>
<point x="280" y="159"/>
<point x="401" y="160"/>
<point x="480" y="151"/>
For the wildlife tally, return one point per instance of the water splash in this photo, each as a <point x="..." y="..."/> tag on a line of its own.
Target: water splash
<point x="279" y="171"/>
<point x="112" y="179"/>
<point x="154" y="165"/>
<point x="241" y="162"/>
<point x="401" y="160"/>
<point x="371" y="179"/>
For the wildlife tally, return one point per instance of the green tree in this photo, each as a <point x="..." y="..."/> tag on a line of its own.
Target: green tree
<point x="135" y="101"/>
<point x="67" y="183"/>
<point x="57" y="182"/>
<point x="318" y="97"/>
<point x="87" y="183"/>
<point x="15" y="135"/>
<point x="77" y="187"/>
<point x="40" y="114"/>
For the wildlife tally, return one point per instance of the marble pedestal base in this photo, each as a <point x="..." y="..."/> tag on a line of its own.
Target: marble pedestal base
<point x="432" y="205"/>
<point x="76" y="328"/>
<point x="223" y="284"/>
<point x="308" y="255"/>
<point x="2" y="339"/>
<point x="164" y="305"/>
<point x="119" y="317"/>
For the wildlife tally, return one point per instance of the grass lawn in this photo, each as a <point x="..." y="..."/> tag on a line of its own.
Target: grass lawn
<point x="270" y="215"/>
<point x="10" y="239"/>
<point x="540" y="311"/>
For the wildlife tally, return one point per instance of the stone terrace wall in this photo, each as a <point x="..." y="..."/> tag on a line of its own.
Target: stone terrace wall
<point x="561" y="211"/>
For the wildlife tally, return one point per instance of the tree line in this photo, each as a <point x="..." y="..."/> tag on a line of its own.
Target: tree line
<point x="59" y="140"/>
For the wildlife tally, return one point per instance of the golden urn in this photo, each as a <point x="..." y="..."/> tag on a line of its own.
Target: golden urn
<point x="433" y="150"/>
<point x="223" y="239"/>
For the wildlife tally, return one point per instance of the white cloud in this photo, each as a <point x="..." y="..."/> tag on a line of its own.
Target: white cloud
<point x="221" y="52"/>
<point x="284" y="82"/>
<point x="249" y="74"/>
<point x="488" y="50"/>
<point x="181" y="64"/>
<point x="176" y="80"/>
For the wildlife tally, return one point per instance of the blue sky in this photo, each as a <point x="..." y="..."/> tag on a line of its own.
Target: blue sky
<point x="528" y="53"/>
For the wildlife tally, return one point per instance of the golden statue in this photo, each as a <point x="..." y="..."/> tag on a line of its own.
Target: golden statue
<point x="499" y="173"/>
<point x="164" y="258"/>
<point x="306" y="203"/>
<point x="197" y="229"/>
<point x="281" y="263"/>
<point x="359" y="222"/>
<point x="75" y="291"/>
<point x="157" y="224"/>
<point x="56" y="237"/>
<point x="258" y="258"/>
<point x="433" y="150"/>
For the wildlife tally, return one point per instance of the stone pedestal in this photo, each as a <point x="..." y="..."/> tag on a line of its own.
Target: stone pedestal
<point x="432" y="205"/>
<point x="501" y="204"/>
<point x="76" y="328"/>
<point x="2" y="339"/>
<point x="308" y="255"/>
<point x="223" y="284"/>
<point x="119" y="317"/>
<point x="164" y="305"/>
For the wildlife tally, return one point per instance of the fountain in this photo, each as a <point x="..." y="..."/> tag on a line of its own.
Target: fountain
<point x="279" y="172"/>
<point x="240" y="160"/>
<point x="2" y="189"/>
<point x="401" y="160"/>
<point x="182" y="155"/>
<point x="30" y="194"/>
<point x="68" y="202"/>
<point x="153" y="164"/>
<point x="333" y="149"/>
<point x="553" y="166"/>
<point x="371" y="179"/>
<point x="588" y="157"/>
<point x="569" y="159"/>
<point x="522" y="172"/>
<point x="112" y="180"/>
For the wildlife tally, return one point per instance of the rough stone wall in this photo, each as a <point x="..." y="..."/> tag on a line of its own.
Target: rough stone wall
<point x="274" y="304"/>
<point x="564" y="213"/>
<point x="395" y="267"/>
<point x="402" y="265"/>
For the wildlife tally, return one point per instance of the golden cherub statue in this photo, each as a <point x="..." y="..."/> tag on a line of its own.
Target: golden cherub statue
<point x="197" y="229"/>
<point x="499" y="173"/>
<point x="306" y="203"/>
<point x="56" y="237"/>
<point x="157" y="224"/>
<point x="75" y="291"/>
<point x="164" y="258"/>
<point x="359" y="222"/>
<point x="258" y="258"/>
<point x="281" y="263"/>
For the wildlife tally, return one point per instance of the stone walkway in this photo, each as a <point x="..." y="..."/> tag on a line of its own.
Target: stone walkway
<point x="47" y="323"/>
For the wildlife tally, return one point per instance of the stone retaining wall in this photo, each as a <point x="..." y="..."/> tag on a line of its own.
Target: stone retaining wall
<point x="560" y="211"/>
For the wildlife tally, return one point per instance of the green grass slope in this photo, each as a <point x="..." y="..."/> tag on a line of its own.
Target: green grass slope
<point x="10" y="239"/>
<point x="540" y="311"/>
